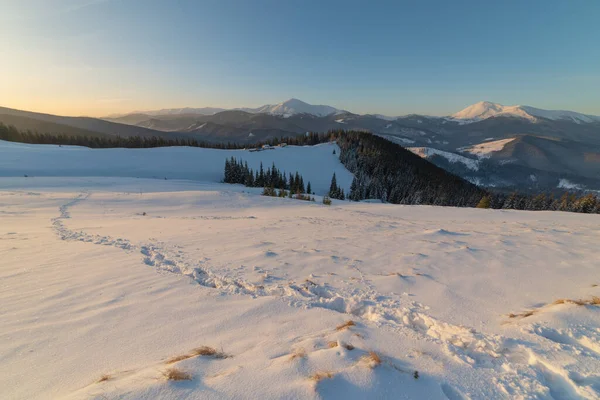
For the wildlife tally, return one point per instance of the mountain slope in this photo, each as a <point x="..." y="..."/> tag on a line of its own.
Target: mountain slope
<point x="30" y="124"/>
<point x="485" y="109"/>
<point x="86" y="123"/>
<point x="293" y="107"/>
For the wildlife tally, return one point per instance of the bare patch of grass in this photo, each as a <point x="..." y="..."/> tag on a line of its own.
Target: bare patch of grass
<point x="348" y="346"/>
<point x="345" y="325"/>
<point x="319" y="376"/>
<point x="372" y="359"/>
<point x="298" y="353"/>
<point x="176" y="374"/>
<point x="332" y="344"/>
<point x="104" y="378"/>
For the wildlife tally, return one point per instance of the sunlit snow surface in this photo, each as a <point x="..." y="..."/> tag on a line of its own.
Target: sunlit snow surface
<point x="91" y="286"/>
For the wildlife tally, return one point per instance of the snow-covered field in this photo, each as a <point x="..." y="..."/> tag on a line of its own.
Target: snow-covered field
<point x="106" y="283"/>
<point x="206" y="165"/>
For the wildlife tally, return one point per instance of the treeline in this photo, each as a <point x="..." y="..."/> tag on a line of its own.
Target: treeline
<point x="580" y="203"/>
<point x="271" y="178"/>
<point x="386" y="171"/>
<point x="12" y="134"/>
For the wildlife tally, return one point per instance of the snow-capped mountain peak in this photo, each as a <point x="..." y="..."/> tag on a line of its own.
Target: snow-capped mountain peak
<point x="485" y="109"/>
<point x="294" y="106"/>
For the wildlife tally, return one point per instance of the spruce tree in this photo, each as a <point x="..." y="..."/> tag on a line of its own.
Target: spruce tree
<point x="333" y="187"/>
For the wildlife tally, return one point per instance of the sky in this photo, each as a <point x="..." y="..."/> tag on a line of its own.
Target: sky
<point x="98" y="57"/>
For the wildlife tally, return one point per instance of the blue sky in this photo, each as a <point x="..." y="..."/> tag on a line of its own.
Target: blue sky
<point x="96" y="57"/>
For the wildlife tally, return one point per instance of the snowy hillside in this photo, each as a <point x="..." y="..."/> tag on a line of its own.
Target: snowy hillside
<point x="485" y="109"/>
<point x="315" y="163"/>
<point x="484" y="150"/>
<point x="427" y="152"/>
<point x="561" y="115"/>
<point x="293" y="107"/>
<point x="113" y="287"/>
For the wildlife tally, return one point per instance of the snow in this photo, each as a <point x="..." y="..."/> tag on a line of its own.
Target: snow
<point x="385" y="117"/>
<point x="292" y="107"/>
<point x="426" y="152"/>
<point x="485" y="109"/>
<point x="207" y="165"/>
<point x="177" y="111"/>
<point x="566" y="184"/>
<point x="484" y="150"/>
<point x="561" y="114"/>
<point x="109" y="272"/>
<point x="91" y="286"/>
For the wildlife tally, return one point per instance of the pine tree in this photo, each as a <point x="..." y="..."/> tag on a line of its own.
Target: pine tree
<point x="484" y="202"/>
<point x="308" y="188"/>
<point x="354" y="194"/>
<point x="261" y="176"/>
<point x="333" y="187"/>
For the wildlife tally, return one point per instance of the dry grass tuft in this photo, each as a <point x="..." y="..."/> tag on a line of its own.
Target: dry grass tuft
<point x="210" y="352"/>
<point x="593" y="301"/>
<point x="298" y="353"/>
<point x="175" y="359"/>
<point x="372" y="359"/>
<point x="104" y="378"/>
<point x="199" y="351"/>
<point x="319" y="376"/>
<point x="595" y="285"/>
<point x="332" y="344"/>
<point x="175" y="374"/>
<point x="345" y="325"/>
<point x="524" y="314"/>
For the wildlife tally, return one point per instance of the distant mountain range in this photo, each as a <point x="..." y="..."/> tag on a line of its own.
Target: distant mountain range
<point x="487" y="143"/>
<point x="485" y="109"/>
<point x="284" y="109"/>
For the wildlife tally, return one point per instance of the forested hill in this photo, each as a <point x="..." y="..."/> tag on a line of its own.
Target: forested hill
<point x="387" y="171"/>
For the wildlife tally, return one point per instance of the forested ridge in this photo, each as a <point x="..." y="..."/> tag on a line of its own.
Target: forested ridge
<point x="12" y="134"/>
